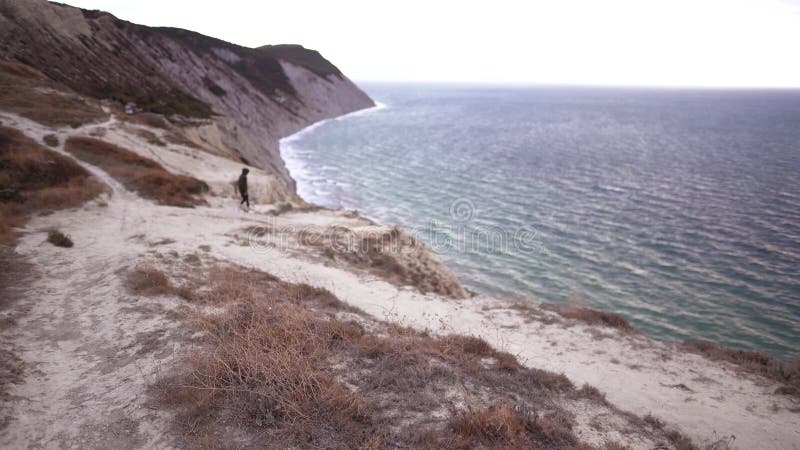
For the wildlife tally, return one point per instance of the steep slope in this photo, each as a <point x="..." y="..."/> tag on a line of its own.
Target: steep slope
<point x="246" y="99"/>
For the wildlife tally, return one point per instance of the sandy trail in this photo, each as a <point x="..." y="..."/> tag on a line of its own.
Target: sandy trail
<point x="90" y="348"/>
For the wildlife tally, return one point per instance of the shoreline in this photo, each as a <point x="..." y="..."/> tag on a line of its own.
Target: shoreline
<point x="295" y="166"/>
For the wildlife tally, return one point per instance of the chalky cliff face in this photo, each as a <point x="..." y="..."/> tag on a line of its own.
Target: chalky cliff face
<point x="235" y="101"/>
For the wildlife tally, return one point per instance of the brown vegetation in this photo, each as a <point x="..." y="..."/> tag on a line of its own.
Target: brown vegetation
<point x="59" y="239"/>
<point x="502" y="426"/>
<point x="51" y="140"/>
<point x="590" y="316"/>
<point x="140" y="174"/>
<point x="34" y="178"/>
<point x="289" y="365"/>
<point x="784" y="372"/>
<point x="27" y="92"/>
<point x="148" y="280"/>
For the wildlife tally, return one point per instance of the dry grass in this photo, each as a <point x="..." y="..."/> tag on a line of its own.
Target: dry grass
<point x="503" y="426"/>
<point x="147" y="280"/>
<point x="289" y="365"/>
<point x="786" y="372"/>
<point x="59" y="239"/>
<point x="590" y="316"/>
<point x="27" y="92"/>
<point x="33" y="178"/>
<point x="148" y="119"/>
<point x="140" y="174"/>
<point x="610" y="445"/>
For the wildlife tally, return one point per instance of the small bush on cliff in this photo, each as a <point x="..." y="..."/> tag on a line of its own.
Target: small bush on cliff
<point x="51" y="140"/>
<point x="59" y="239"/>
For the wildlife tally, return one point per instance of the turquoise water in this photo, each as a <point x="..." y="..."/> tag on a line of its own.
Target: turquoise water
<point x="678" y="208"/>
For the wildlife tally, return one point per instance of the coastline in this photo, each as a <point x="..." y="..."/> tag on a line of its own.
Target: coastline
<point x="297" y="168"/>
<point x="668" y="314"/>
<point x="632" y="372"/>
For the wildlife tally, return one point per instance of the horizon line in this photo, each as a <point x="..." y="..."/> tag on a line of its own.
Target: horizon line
<point x="579" y="85"/>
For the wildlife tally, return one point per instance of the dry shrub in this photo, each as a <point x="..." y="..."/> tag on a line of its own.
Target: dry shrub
<point x="498" y="425"/>
<point x="140" y="174"/>
<point x="147" y="280"/>
<point x="502" y="426"/>
<point x="318" y="296"/>
<point x="546" y="380"/>
<point x="592" y="393"/>
<point x="51" y="140"/>
<point x="466" y="344"/>
<point x="613" y="445"/>
<point x="34" y="178"/>
<point x="653" y="421"/>
<point x="787" y="372"/>
<point x="591" y="316"/>
<point x="267" y="367"/>
<point x="27" y="92"/>
<point x="59" y="239"/>
<point x="680" y="441"/>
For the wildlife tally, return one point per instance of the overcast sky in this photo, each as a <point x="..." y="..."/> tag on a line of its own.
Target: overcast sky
<point x="617" y="42"/>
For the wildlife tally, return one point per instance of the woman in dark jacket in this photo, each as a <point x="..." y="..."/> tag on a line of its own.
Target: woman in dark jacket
<point x="243" y="188"/>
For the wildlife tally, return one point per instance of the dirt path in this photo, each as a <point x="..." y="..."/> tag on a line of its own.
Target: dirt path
<point x="81" y="343"/>
<point x="87" y="349"/>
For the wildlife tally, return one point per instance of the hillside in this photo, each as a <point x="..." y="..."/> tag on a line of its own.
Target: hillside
<point x="240" y="99"/>
<point x="141" y="308"/>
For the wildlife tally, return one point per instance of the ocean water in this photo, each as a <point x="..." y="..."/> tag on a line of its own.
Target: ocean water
<point x="678" y="208"/>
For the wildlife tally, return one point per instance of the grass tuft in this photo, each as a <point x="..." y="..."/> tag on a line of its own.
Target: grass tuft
<point x="51" y="140"/>
<point x="59" y="239"/>
<point x="147" y="280"/>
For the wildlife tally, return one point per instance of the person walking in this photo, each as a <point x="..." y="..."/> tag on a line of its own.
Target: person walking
<point x="243" y="189"/>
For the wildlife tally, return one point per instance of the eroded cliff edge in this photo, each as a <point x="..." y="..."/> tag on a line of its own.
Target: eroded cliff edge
<point x="233" y="100"/>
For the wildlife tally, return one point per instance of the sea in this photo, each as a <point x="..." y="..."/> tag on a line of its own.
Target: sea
<point x="677" y="208"/>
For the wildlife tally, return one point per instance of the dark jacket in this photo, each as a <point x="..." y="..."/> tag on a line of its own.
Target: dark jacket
<point x="243" y="183"/>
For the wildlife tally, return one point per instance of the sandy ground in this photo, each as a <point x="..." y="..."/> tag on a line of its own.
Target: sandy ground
<point x="90" y="349"/>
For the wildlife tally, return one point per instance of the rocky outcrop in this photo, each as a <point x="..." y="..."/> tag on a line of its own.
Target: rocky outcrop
<point x="250" y="98"/>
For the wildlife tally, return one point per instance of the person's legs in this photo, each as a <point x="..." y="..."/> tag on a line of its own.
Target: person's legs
<point x="245" y="200"/>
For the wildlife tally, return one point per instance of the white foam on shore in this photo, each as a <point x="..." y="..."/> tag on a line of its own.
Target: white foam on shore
<point x="298" y="169"/>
